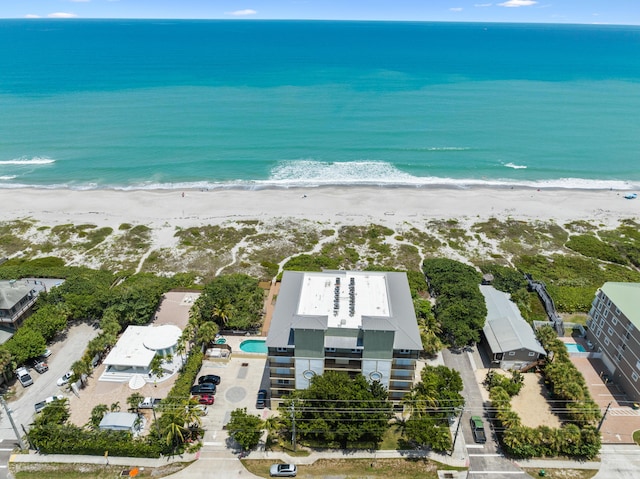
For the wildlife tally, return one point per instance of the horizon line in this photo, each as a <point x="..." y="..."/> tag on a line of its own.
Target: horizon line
<point x="246" y="19"/>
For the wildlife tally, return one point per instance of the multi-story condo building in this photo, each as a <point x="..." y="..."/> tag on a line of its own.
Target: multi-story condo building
<point x="613" y="330"/>
<point x="352" y="321"/>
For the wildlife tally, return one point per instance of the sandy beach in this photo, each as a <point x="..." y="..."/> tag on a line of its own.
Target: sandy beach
<point x="242" y="230"/>
<point x="353" y="205"/>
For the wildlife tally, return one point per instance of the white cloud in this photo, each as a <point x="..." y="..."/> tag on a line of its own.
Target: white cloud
<point x="31" y="15"/>
<point x="456" y="9"/>
<point x="242" y="13"/>
<point x="517" y="3"/>
<point x="482" y="4"/>
<point x="62" y="15"/>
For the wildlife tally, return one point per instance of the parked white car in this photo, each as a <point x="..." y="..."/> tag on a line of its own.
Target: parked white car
<point x="65" y="378"/>
<point x="283" y="470"/>
<point x="42" y="404"/>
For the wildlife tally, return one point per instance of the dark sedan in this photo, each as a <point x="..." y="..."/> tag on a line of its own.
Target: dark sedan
<point x="209" y="378"/>
<point x="205" y="388"/>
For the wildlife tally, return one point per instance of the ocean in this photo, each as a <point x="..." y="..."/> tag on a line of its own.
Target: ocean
<point x="148" y="104"/>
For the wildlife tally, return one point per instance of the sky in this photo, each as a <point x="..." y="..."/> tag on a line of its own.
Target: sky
<point x="625" y="12"/>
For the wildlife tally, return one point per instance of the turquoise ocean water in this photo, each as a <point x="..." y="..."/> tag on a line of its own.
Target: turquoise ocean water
<point x="252" y="104"/>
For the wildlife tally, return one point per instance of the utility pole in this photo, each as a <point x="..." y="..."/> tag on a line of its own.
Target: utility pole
<point x="453" y="447"/>
<point x="293" y="428"/>
<point x="603" y="417"/>
<point x="13" y="424"/>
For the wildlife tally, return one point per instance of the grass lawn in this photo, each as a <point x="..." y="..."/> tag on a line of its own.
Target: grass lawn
<point x="84" y="471"/>
<point x="562" y="473"/>
<point x="358" y="468"/>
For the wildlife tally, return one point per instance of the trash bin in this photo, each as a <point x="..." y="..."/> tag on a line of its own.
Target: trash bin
<point x="542" y="473"/>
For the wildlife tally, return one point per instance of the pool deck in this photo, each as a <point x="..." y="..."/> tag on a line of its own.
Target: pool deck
<point x="234" y="342"/>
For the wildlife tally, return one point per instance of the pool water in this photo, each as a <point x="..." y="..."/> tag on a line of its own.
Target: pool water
<point x="575" y="348"/>
<point x="254" y="346"/>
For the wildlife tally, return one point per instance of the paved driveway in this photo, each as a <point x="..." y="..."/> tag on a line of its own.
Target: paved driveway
<point x="68" y="349"/>
<point x="621" y="420"/>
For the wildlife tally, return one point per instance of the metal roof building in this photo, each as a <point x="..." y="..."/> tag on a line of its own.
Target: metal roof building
<point x="510" y="340"/>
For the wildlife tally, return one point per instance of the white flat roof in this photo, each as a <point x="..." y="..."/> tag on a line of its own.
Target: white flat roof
<point x="344" y="297"/>
<point x="130" y="350"/>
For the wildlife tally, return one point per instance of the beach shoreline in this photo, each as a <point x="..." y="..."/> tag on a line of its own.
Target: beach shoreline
<point x="352" y="205"/>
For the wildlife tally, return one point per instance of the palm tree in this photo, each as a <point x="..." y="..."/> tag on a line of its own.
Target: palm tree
<point x="5" y="362"/>
<point x="80" y="369"/>
<point x="222" y="312"/>
<point x="97" y="413"/>
<point x="134" y="401"/>
<point x="115" y="407"/>
<point x="207" y="333"/>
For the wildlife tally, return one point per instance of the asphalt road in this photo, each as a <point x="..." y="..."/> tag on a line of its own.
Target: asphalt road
<point x="484" y="459"/>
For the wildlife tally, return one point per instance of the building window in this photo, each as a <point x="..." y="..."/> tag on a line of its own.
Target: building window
<point x="532" y="354"/>
<point x="608" y="303"/>
<point x="614" y="321"/>
<point x="282" y="350"/>
<point x="512" y="353"/>
<point x="617" y="311"/>
<point x="375" y="376"/>
<point x="280" y="359"/>
<point x="638" y="365"/>
<point x="356" y="351"/>
<point x="329" y="350"/>
<point x="597" y="316"/>
<point x="405" y="351"/>
<point x="606" y="341"/>
<point x="282" y="371"/>
<point x="308" y="374"/>
<point x="634" y="376"/>
<point x="599" y="306"/>
<point x="598" y="332"/>
<point x="283" y="381"/>
<point x="601" y="322"/>
<point x="606" y="313"/>
<point x="618" y="356"/>
<point x="610" y="331"/>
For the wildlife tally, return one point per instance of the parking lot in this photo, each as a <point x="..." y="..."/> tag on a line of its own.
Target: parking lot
<point x="64" y="352"/>
<point x="621" y="420"/>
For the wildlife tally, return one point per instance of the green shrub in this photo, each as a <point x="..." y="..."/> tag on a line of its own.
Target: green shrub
<point x="592" y="247"/>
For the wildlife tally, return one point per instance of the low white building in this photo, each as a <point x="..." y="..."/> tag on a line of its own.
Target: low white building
<point x="122" y="421"/>
<point x="130" y="359"/>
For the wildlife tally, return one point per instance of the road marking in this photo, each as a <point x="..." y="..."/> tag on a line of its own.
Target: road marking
<point x="485" y="455"/>
<point x="474" y="446"/>
<point x="213" y="443"/>
<point x="6" y="449"/>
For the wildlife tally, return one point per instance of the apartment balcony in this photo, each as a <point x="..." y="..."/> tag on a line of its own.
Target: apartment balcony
<point x="273" y="352"/>
<point x="342" y="354"/>
<point x="401" y="377"/>
<point x="342" y="366"/>
<point x="404" y="367"/>
<point x="274" y="375"/>
<point x="277" y="364"/>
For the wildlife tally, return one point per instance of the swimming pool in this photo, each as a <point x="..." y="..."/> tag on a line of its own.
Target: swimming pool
<point x="575" y="348"/>
<point x="254" y="346"/>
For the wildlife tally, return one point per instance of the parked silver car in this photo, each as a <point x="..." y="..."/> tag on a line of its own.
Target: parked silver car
<point x="283" y="470"/>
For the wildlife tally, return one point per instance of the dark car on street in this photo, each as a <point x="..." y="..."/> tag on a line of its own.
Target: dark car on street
<point x="209" y="378"/>
<point x="261" y="402"/>
<point x="205" y="388"/>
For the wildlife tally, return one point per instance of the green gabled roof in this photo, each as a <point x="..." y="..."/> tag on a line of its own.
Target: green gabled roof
<point x="626" y="297"/>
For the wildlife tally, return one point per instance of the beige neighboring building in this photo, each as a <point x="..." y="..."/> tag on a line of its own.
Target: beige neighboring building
<point x="17" y="297"/>
<point x="614" y="330"/>
<point x="353" y="321"/>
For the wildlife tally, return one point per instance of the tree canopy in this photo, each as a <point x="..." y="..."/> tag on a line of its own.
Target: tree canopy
<point x="233" y="301"/>
<point x="460" y="307"/>
<point x="340" y="410"/>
